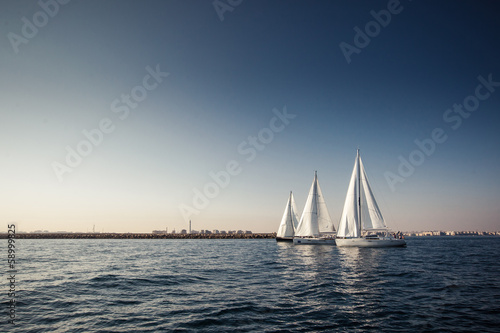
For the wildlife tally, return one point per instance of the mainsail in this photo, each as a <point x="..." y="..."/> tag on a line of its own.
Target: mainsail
<point x="289" y="221"/>
<point x="361" y="211"/>
<point x="315" y="217"/>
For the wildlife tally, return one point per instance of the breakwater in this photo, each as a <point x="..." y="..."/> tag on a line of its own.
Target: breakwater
<point x="51" y="235"/>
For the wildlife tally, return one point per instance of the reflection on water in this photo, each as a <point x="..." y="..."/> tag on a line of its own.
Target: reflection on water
<point x="355" y="260"/>
<point x="357" y="280"/>
<point x="345" y="281"/>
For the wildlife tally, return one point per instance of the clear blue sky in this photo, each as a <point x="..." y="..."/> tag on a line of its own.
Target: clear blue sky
<point x="224" y="79"/>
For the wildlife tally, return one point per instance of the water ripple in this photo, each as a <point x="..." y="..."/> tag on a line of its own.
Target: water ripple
<point x="433" y="285"/>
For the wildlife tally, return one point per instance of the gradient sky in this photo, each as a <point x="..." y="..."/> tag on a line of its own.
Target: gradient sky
<point x="225" y="78"/>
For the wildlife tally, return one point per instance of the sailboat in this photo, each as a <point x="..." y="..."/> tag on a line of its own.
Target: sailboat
<point x="362" y="224"/>
<point x="315" y="226"/>
<point x="289" y="222"/>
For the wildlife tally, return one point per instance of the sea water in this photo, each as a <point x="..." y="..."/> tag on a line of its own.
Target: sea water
<point x="435" y="284"/>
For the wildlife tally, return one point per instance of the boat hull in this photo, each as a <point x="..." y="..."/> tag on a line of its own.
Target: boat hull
<point x="284" y="239"/>
<point x="314" y="241"/>
<point x="363" y="242"/>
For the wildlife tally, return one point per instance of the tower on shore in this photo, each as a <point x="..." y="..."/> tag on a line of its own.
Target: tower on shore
<point x="189" y="226"/>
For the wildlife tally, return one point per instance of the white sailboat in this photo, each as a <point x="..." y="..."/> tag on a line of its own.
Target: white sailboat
<point x="289" y="222"/>
<point x="315" y="226"/>
<point x="362" y="224"/>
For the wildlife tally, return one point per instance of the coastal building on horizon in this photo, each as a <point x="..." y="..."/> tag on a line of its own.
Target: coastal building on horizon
<point x="450" y="233"/>
<point x="204" y="232"/>
<point x="223" y="234"/>
<point x="196" y="232"/>
<point x="247" y="232"/>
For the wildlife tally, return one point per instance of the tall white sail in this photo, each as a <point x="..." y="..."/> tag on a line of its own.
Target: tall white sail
<point x="289" y="221"/>
<point x="361" y="211"/>
<point x="348" y="226"/>
<point x="308" y="225"/>
<point x="315" y="217"/>
<point x="374" y="219"/>
<point x="325" y="223"/>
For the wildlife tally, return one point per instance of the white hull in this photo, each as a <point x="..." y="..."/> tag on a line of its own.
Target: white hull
<point x="363" y="242"/>
<point x="313" y="241"/>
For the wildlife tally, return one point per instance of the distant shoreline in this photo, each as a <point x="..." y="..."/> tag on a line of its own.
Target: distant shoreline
<point x="113" y="235"/>
<point x="50" y="235"/>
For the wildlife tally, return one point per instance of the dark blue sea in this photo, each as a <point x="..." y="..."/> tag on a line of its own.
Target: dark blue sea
<point x="435" y="284"/>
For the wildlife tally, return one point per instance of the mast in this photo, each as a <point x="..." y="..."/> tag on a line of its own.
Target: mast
<point x="315" y="193"/>
<point x="359" y="192"/>
<point x="290" y="212"/>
